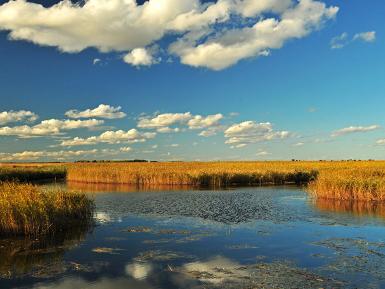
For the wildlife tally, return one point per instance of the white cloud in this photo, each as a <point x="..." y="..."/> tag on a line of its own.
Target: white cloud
<point x="140" y="57"/>
<point x="125" y="26"/>
<point x="381" y="142"/>
<point x="175" y="122"/>
<point x="298" y="144"/>
<point x="354" y="129"/>
<point x="262" y="154"/>
<point x="252" y="132"/>
<point x="339" y="41"/>
<point x="164" y="120"/>
<point x="125" y="149"/>
<point x="343" y="40"/>
<point x="238" y="146"/>
<point x="102" y="111"/>
<point x="369" y="36"/>
<point x="48" y="127"/>
<point x="224" y="49"/>
<point x="34" y="155"/>
<point x="111" y="137"/>
<point x="17" y="116"/>
<point x="199" y="122"/>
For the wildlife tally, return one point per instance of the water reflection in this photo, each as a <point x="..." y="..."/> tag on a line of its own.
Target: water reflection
<point x="361" y="209"/>
<point x="123" y="188"/>
<point x="38" y="257"/>
<point x="139" y="270"/>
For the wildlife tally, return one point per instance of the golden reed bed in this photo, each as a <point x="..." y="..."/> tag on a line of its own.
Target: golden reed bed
<point x="30" y="210"/>
<point x="343" y="180"/>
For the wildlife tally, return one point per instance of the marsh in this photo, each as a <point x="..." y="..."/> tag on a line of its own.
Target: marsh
<point x="265" y="237"/>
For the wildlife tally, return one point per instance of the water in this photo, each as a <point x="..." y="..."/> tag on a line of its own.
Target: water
<point x="269" y="237"/>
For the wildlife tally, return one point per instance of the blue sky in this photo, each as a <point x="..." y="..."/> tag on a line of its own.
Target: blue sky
<point x="303" y="99"/>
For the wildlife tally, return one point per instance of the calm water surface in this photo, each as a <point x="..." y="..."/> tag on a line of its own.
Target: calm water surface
<point x="182" y="238"/>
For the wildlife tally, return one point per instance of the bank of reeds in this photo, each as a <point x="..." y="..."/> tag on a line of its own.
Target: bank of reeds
<point x="355" y="184"/>
<point x="30" y="210"/>
<point x="31" y="173"/>
<point x="215" y="174"/>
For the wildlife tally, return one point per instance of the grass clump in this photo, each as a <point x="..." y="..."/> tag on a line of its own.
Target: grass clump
<point x="29" y="210"/>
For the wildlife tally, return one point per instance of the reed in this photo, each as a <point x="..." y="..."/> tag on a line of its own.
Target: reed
<point x="363" y="184"/>
<point x="29" y="210"/>
<point x="29" y="173"/>
<point x="216" y="174"/>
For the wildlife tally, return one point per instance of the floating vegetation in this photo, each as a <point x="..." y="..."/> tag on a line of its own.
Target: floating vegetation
<point x="160" y="255"/>
<point x="220" y="272"/>
<point x="357" y="257"/>
<point x="105" y="250"/>
<point x="29" y="210"/>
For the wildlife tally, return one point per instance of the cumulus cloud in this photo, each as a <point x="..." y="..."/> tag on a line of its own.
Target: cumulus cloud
<point x="199" y="122"/>
<point x="17" y="116"/>
<point x="34" y="155"/>
<point x="140" y="57"/>
<point x="102" y="111"/>
<point x="253" y="132"/>
<point x="176" y="122"/>
<point x="354" y="129"/>
<point x="164" y="120"/>
<point x="343" y="40"/>
<point x="207" y="38"/>
<point x="221" y="50"/>
<point x="48" y="127"/>
<point x="111" y="137"/>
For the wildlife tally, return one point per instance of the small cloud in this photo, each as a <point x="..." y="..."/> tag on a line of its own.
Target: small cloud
<point x="96" y="61"/>
<point x="125" y="149"/>
<point x="298" y="144"/>
<point x="343" y="40"/>
<point x="354" y="129"/>
<point x="339" y="41"/>
<point x="140" y="57"/>
<point x="369" y="36"/>
<point x="102" y="111"/>
<point x="262" y="154"/>
<point x="312" y="109"/>
<point x="238" y="146"/>
<point x="380" y="142"/>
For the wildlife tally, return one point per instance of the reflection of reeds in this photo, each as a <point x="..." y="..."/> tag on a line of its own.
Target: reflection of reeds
<point x="358" y="208"/>
<point x="124" y="188"/>
<point x="26" y="209"/>
<point x="198" y="174"/>
<point x="23" y="256"/>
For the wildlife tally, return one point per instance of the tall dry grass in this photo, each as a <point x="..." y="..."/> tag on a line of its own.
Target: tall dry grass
<point x="342" y="180"/>
<point x="354" y="184"/>
<point x="27" y="209"/>
<point x="191" y="173"/>
<point x="30" y="173"/>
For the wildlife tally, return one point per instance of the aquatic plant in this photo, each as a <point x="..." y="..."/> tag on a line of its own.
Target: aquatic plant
<point x="214" y="174"/>
<point x="30" y="173"/>
<point x="27" y="209"/>
<point x="354" y="184"/>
